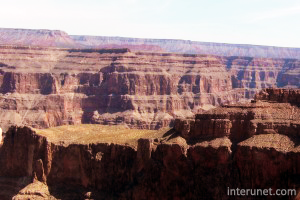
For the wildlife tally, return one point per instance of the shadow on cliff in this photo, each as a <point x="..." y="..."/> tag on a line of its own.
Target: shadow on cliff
<point x="172" y="133"/>
<point x="69" y="192"/>
<point x="289" y="64"/>
<point x="193" y="141"/>
<point x="11" y="186"/>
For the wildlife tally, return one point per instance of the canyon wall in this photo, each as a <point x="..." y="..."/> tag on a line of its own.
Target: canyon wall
<point x="264" y="138"/>
<point x="250" y="146"/>
<point x="291" y="96"/>
<point x="44" y="87"/>
<point x="153" y="170"/>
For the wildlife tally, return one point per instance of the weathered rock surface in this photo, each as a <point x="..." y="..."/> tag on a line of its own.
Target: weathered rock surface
<point x="291" y="96"/>
<point x="56" y="38"/>
<point x="241" y="121"/>
<point x="45" y="87"/>
<point x="251" y="146"/>
<point x="35" y="191"/>
<point x="264" y="136"/>
<point x="154" y="170"/>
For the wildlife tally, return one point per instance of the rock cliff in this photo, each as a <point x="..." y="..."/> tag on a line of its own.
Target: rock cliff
<point x="45" y="87"/>
<point x="250" y="146"/>
<point x="154" y="169"/>
<point x="291" y="96"/>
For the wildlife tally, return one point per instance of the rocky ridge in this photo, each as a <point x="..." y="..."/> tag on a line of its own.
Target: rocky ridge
<point x="187" y="46"/>
<point x="57" y="38"/>
<point x="252" y="145"/>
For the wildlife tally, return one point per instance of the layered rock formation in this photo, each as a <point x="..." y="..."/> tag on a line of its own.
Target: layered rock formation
<point x="187" y="46"/>
<point x="265" y="140"/>
<point x="56" y="38"/>
<point x="156" y="169"/>
<point x="245" y="146"/>
<point x="291" y="96"/>
<point x="45" y="87"/>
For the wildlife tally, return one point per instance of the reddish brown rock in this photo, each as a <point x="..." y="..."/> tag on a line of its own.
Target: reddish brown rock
<point x="1" y="137"/>
<point x="280" y="95"/>
<point x="111" y="168"/>
<point x="38" y="169"/>
<point x="242" y="121"/>
<point x="143" y="90"/>
<point x="144" y="150"/>
<point x="268" y="161"/>
<point x="168" y="167"/>
<point x="44" y="87"/>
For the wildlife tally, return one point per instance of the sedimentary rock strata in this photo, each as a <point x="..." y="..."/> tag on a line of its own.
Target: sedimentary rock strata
<point x="251" y="146"/>
<point x="241" y="121"/>
<point x="186" y="46"/>
<point x="57" y="38"/>
<point x="154" y="168"/>
<point x="45" y="87"/>
<point x="291" y="96"/>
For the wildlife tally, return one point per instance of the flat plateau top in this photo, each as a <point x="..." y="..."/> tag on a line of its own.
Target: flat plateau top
<point x="275" y="141"/>
<point x="95" y="133"/>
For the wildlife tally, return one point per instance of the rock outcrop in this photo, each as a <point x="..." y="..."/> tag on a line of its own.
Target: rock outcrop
<point x="45" y="87"/>
<point x="250" y="146"/>
<point x="155" y="170"/>
<point x="291" y="96"/>
<point x="242" y="121"/>
<point x="264" y="136"/>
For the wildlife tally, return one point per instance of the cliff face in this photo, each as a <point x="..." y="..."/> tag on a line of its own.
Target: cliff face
<point x="251" y="146"/>
<point x="264" y="136"/>
<point x="45" y="87"/>
<point x="165" y="170"/>
<point x="242" y="121"/>
<point x="291" y="96"/>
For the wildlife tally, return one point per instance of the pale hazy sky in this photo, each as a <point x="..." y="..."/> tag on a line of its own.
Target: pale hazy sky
<point x="265" y="22"/>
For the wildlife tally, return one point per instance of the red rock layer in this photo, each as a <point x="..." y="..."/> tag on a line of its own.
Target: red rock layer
<point x="45" y="87"/>
<point x="250" y="146"/>
<point x="154" y="170"/>
<point x="157" y="169"/>
<point x="291" y="96"/>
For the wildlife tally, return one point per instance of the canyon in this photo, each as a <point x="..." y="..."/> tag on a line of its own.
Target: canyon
<point x="251" y="145"/>
<point x="45" y="86"/>
<point x="93" y="117"/>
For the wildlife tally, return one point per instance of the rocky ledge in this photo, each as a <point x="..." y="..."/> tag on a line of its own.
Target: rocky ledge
<point x="251" y="146"/>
